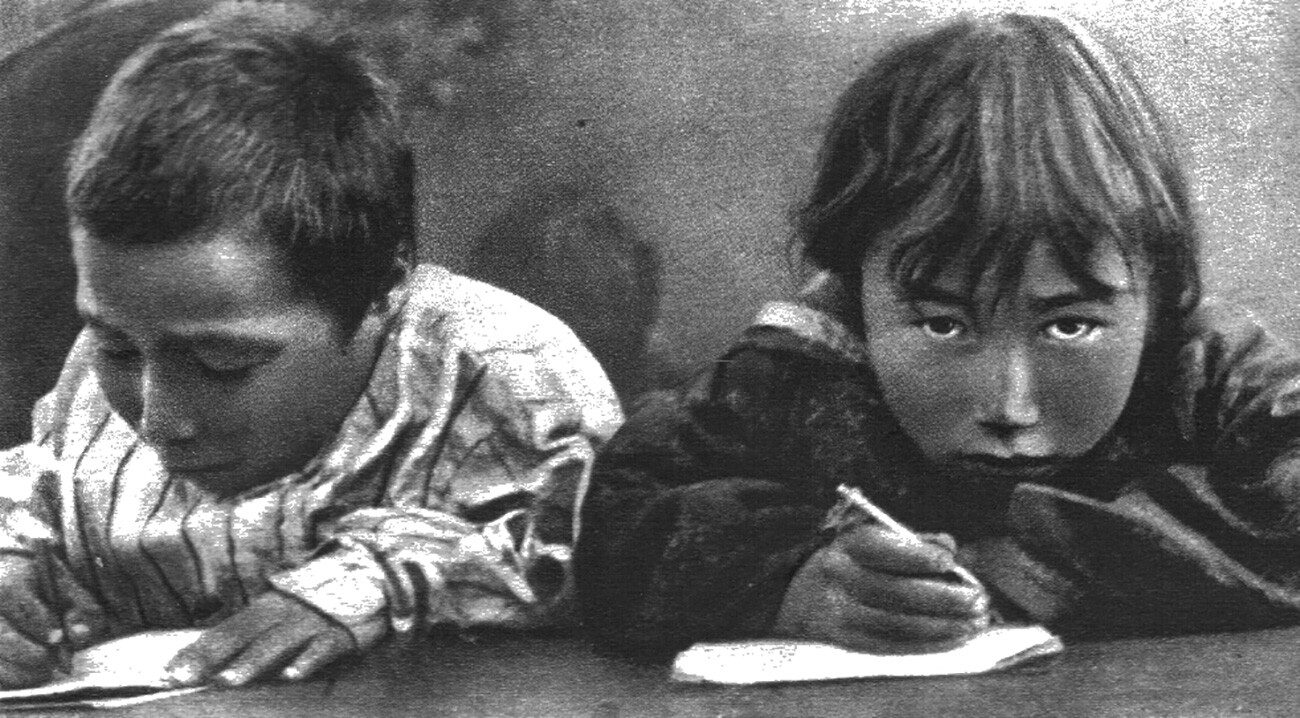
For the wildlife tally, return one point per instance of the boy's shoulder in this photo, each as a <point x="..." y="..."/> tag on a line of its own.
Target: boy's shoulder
<point x="480" y="317"/>
<point x="537" y="355"/>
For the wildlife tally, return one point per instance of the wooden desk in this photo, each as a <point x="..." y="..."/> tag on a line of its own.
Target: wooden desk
<point x="512" y="675"/>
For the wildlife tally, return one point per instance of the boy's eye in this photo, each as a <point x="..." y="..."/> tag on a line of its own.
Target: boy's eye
<point x="941" y="327"/>
<point x="1071" y="329"/>
<point x="231" y="365"/>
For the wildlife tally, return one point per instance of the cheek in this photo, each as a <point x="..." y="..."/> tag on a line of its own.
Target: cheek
<point x="1083" y="396"/>
<point x="292" y="407"/>
<point x="927" y="393"/>
<point x="121" y="387"/>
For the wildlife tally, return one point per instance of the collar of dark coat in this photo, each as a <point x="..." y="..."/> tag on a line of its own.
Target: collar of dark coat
<point x="824" y="313"/>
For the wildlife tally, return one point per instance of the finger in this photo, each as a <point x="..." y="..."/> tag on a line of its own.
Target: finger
<point x="876" y="547"/>
<point x="17" y="673"/>
<point x="942" y="540"/>
<point x="267" y="653"/>
<point x="318" y="653"/>
<point x="23" y="604"/>
<point x="23" y="662"/>
<point x="86" y="619"/>
<point x="878" y="629"/>
<point x="214" y="649"/>
<point x="907" y="594"/>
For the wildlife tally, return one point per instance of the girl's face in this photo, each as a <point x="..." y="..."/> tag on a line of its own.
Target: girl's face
<point x="1007" y="383"/>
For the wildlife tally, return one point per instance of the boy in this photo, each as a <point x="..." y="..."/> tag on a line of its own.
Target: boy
<point x="274" y="425"/>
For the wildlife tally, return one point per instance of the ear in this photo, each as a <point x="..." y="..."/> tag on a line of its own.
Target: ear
<point x="379" y="314"/>
<point x="383" y="306"/>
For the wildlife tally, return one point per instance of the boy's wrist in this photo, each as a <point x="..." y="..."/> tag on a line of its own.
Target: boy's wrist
<point x="348" y="586"/>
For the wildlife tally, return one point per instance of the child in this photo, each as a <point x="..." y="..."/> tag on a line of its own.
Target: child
<point x="1004" y="344"/>
<point x="273" y="424"/>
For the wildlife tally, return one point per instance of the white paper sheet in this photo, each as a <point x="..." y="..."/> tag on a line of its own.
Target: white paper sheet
<point x="783" y="660"/>
<point x="124" y="671"/>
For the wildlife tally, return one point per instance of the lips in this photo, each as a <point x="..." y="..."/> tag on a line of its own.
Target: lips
<point x="198" y="467"/>
<point x="1011" y="467"/>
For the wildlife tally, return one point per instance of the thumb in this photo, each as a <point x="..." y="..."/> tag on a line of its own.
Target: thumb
<point x="942" y="540"/>
<point x="86" y="620"/>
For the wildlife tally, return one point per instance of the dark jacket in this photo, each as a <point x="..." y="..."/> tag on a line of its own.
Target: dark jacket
<point x="709" y="498"/>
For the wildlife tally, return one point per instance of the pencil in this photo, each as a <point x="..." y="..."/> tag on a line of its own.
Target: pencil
<point x="855" y="497"/>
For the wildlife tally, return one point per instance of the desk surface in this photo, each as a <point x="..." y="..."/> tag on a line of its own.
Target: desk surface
<point x="525" y="675"/>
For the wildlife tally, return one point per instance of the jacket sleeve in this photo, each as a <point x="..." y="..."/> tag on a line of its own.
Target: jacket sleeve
<point x="474" y="525"/>
<point x="693" y="526"/>
<point x="1207" y="539"/>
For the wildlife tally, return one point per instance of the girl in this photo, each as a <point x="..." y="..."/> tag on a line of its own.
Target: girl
<point x="1004" y="343"/>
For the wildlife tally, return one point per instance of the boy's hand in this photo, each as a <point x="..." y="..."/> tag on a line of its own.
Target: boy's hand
<point x="872" y="589"/>
<point x="24" y="663"/>
<point x="28" y="625"/>
<point x="274" y="632"/>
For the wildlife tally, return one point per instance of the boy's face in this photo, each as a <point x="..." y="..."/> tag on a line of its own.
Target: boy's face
<point x="1005" y="386"/>
<point x="206" y="349"/>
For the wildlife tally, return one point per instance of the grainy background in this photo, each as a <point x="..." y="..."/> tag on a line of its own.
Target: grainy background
<point x="697" y="121"/>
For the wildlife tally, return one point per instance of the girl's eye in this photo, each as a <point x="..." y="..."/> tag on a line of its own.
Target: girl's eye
<point x="226" y="374"/>
<point x="942" y="327"/>
<point x="1071" y="329"/>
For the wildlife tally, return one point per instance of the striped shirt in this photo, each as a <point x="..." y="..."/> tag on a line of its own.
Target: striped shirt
<point x="447" y="495"/>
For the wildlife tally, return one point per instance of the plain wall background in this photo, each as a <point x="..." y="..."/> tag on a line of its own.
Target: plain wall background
<point x="698" y="121"/>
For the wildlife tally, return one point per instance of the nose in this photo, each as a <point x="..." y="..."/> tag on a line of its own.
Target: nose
<point x="1011" y="403"/>
<point x="164" y="414"/>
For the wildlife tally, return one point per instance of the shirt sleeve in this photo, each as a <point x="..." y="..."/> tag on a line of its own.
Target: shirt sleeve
<point x="474" y="522"/>
<point x="37" y="587"/>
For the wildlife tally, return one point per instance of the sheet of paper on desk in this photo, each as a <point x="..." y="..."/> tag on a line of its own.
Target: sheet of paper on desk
<point x="774" y="660"/>
<point x="124" y="671"/>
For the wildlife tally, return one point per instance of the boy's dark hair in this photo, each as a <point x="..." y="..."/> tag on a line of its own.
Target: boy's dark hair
<point x="964" y="146"/>
<point x="262" y="115"/>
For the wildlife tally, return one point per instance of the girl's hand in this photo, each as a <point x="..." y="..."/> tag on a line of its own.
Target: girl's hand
<point x="273" y="633"/>
<point x="872" y="589"/>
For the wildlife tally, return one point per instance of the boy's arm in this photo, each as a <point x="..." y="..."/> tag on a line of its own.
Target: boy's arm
<point x="44" y="613"/>
<point x="468" y="522"/>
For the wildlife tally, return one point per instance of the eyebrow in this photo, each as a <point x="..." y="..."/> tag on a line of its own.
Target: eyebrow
<point x="203" y="338"/>
<point x="1096" y="292"/>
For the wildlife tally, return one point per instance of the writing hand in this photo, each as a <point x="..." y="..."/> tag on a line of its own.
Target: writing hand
<point x="24" y="662"/>
<point x="874" y="589"/>
<point x="29" y="625"/>
<point x="274" y="632"/>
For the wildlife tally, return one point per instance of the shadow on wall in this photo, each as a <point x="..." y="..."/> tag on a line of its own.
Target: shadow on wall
<point x="623" y="135"/>
<point x="567" y="250"/>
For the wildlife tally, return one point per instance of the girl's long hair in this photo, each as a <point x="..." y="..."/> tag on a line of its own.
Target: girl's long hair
<point x="968" y="145"/>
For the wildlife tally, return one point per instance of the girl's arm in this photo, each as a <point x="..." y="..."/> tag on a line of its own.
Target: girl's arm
<point x="694" y="525"/>
<point x="1206" y="534"/>
<point x="1238" y="400"/>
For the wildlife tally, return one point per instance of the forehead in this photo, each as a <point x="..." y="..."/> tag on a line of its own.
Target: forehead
<point x="1042" y="270"/>
<point x="221" y="279"/>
